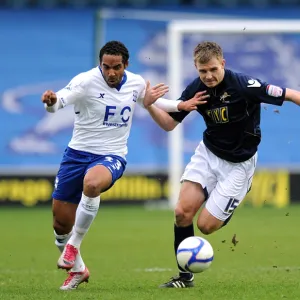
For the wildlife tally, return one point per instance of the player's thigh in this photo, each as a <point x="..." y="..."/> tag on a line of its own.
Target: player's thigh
<point x="231" y="189"/>
<point x="191" y="197"/>
<point x="63" y="216"/>
<point x="102" y="173"/>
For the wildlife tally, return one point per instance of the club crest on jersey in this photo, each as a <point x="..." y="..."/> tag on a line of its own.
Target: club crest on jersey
<point x="134" y="95"/>
<point x="224" y="96"/>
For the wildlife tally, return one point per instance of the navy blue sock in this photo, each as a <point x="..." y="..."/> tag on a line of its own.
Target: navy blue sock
<point x="180" y="234"/>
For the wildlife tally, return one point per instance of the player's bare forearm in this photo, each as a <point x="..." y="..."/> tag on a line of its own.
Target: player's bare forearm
<point x="293" y="96"/>
<point x="163" y="119"/>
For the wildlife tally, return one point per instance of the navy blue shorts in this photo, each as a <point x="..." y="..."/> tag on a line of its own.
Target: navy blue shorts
<point x="74" y="165"/>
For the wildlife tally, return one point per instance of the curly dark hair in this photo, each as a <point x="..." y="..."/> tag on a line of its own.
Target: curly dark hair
<point x="114" y="48"/>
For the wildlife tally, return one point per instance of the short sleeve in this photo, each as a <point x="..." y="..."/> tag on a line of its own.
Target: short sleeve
<point x="258" y="91"/>
<point x="140" y="93"/>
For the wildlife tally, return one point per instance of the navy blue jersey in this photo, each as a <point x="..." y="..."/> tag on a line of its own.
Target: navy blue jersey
<point x="232" y="113"/>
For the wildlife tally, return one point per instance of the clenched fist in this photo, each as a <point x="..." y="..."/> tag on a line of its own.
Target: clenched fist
<point x="49" y="97"/>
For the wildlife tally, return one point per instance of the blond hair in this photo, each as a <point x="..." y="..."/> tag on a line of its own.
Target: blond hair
<point x="205" y="51"/>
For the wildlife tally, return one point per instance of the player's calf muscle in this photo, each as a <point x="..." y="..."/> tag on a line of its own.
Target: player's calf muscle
<point x="63" y="216"/>
<point x="61" y="226"/>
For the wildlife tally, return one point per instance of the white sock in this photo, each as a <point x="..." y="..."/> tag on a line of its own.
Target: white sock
<point x="79" y="265"/>
<point x="85" y="215"/>
<point x="61" y="240"/>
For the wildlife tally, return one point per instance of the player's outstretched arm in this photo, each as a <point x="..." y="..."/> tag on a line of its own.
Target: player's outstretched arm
<point x="293" y="96"/>
<point x="199" y="98"/>
<point x="162" y="118"/>
<point x="153" y="93"/>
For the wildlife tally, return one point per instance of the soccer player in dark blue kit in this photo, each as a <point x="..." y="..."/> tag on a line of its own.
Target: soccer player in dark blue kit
<point x="221" y="170"/>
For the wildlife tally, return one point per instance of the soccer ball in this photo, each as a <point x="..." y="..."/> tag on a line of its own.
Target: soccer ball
<point x="195" y="254"/>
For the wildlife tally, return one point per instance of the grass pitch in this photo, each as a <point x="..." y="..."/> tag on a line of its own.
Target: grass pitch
<point x="129" y="253"/>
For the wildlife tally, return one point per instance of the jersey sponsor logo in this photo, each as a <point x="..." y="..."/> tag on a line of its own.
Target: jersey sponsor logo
<point x="224" y="96"/>
<point x="134" y="95"/>
<point x="274" y="91"/>
<point x="219" y="114"/>
<point x="123" y="115"/>
<point x="253" y="83"/>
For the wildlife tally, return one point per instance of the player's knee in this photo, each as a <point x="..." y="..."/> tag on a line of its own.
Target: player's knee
<point x="183" y="217"/>
<point x="91" y="187"/>
<point x="207" y="227"/>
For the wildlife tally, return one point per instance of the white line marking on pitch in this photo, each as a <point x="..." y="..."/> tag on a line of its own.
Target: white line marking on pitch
<point x="155" y="269"/>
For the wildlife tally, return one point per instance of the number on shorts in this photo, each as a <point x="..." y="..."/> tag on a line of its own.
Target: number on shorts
<point x="231" y="205"/>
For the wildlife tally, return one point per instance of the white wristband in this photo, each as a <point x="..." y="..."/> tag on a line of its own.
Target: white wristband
<point x="167" y="105"/>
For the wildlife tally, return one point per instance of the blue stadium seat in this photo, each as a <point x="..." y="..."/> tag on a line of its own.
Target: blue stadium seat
<point x="136" y="3"/>
<point x="288" y="2"/>
<point x="228" y="3"/>
<point x="166" y="2"/>
<point x="78" y="3"/>
<point x="47" y="3"/>
<point x="202" y="3"/>
<point x="255" y="3"/>
<point x="261" y="3"/>
<point x="107" y="2"/>
<point x="17" y="3"/>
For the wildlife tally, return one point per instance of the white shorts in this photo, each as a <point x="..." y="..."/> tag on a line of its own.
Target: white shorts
<point x="226" y="183"/>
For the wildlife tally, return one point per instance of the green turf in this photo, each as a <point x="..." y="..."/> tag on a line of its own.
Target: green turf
<point x="129" y="253"/>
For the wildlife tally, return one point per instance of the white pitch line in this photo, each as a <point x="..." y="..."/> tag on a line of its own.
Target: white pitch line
<point x="154" y="269"/>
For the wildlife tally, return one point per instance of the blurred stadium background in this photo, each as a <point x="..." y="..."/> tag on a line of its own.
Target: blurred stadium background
<point x="45" y="43"/>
